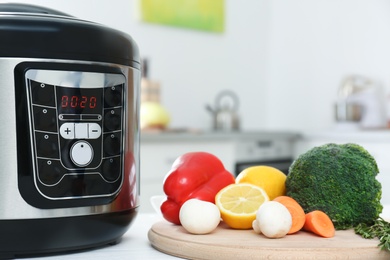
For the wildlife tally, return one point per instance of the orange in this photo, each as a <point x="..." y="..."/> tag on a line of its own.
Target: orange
<point x="238" y="204"/>
<point x="269" y="178"/>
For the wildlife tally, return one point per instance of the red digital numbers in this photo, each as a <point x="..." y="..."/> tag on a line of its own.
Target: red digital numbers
<point x="83" y="101"/>
<point x="74" y="102"/>
<point x="78" y="102"/>
<point x="92" y="102"/>
<point x="64" y="101"/>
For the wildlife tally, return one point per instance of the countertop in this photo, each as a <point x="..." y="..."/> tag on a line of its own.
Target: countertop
<point x="342" y="134"/>
<point x="171" y="135"/>
<point x="347" y="135"/>
<point x="135" y="243"/>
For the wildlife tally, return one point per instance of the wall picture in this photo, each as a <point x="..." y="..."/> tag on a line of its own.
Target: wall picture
<point x="207" y="15"/>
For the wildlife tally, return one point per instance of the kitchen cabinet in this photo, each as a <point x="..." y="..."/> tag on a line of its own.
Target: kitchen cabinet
<point x="377" y="143"/>
<point x="158" y="151"/>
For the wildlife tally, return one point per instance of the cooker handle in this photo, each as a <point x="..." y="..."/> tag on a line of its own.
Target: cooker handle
<point x="26" y="8"/>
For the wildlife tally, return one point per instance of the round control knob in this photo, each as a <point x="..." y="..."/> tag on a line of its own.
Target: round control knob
<point x="81" y="153"/>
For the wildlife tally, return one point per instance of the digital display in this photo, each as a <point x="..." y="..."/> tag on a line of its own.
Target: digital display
<point x="79" y="100"/>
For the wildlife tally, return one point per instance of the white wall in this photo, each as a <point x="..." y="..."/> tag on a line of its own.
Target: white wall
<point x="285" y="59"/>
<point x="312" y="46"/>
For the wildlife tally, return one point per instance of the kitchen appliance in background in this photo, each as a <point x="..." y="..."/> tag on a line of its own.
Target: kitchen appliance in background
<point x="69" y="132"/>
<point x="153" y="115"/>
<point x="274" y="153"/>
<point x="361" y="102"/>
<point x="150" y="89"/>
<point x="224" y="113"/>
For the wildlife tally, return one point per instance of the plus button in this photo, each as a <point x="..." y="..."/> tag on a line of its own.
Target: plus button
<point x="67" y="130"/>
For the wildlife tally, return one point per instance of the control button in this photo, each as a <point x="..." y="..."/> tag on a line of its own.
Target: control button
<point x="42" y="94"/>
<point x="81" y="130"/>
<point x="50" y="172"/>
<point x="113" y="96"/>
<point x="69" y="117"/>
<point x="94" y="130"/>
<point x="112" y="119"/>
<point x="112" y="144"/>
<point x="81" y="153"/>
<point x="77" y="185"/>
<point x="111" y="168"/>
<point x="67" y="130"/>
<point x="91" y="117"/>
<point x="47" y="145"/>
<point x="45" y="119"/>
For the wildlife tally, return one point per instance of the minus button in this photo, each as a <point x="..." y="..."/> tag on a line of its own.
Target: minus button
<point x="94" y="130"/>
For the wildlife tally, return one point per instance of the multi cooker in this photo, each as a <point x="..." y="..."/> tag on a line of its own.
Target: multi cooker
<point x="69" y="132"/>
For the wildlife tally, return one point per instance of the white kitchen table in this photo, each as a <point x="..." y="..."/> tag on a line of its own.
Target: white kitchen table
<point x="135" y="243"/>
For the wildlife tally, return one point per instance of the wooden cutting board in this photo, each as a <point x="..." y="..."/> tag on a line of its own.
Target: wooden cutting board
<point x="226" y="243"/>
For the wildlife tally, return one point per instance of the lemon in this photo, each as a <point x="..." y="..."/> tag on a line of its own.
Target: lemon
<point x="269" y="178"/>
<point x="238" y="204"/>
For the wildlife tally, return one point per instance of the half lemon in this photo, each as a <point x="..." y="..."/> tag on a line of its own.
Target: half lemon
<point x="238" y="204"/>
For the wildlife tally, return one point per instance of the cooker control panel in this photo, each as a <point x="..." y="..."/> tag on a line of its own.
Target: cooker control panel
<point x="76" y="133"/>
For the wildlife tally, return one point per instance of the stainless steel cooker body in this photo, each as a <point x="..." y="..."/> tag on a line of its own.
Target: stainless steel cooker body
<point x="69" y="132"/>
<point x="27" y="148"/>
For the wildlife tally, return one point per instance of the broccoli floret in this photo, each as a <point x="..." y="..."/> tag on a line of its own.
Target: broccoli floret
<point x="339" y="179"/>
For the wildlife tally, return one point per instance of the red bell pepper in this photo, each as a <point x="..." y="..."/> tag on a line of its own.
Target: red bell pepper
<point x="195" y="175"/>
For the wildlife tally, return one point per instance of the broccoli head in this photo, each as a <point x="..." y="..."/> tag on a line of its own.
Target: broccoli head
<point x="339" y="179"/>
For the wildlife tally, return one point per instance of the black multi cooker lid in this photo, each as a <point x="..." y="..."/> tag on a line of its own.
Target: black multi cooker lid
<point x="30" y="31"/>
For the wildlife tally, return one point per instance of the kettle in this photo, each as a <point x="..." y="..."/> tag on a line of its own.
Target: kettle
<point x="225" y="117"/>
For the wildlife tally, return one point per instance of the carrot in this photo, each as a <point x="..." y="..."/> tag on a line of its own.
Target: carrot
<point x="319" y="223"/>
<point x="296" y="211"/>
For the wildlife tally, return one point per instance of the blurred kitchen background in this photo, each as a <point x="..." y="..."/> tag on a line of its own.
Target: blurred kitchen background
<point x="290" y="66"/>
